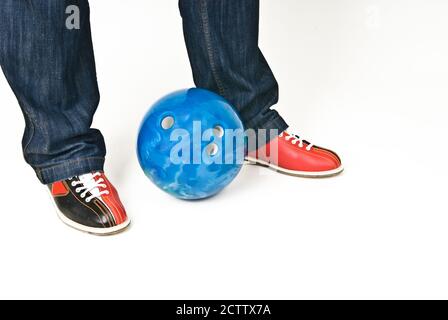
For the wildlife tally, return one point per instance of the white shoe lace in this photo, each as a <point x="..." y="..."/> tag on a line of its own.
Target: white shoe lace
<point x="296" y="139"/>
<point x="87" y="183"/>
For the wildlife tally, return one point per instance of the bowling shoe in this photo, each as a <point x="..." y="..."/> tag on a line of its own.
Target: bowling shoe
<point x="297" y="157"/>
<point x="89" y="203"/>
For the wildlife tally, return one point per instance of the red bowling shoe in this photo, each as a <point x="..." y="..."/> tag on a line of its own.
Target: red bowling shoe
<point x="297" y="157"/>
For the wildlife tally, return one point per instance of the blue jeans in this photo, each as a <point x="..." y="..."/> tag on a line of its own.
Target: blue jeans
<point x="51" y="69"/>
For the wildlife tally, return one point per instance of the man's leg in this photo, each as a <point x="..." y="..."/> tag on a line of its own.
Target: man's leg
<point x="51" y="69"/>
<point x="222" y="43"/>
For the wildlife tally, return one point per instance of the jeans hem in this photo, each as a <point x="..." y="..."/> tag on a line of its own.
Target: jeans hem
<point x="69" y="169"/>
<point x="278" y="124"/>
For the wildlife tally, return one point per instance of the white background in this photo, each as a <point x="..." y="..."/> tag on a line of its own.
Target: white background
<point x="368" y="78"/>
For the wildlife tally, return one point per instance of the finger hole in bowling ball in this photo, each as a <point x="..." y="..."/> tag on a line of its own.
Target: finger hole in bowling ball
<point x="218" y="131"/>
<point x="212" y="149"/>
<point x="167" y="123"/>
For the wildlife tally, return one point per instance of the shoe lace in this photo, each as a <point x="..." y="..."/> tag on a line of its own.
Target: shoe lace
<point x="294" y="139"/>
<point x="88" y="183"/>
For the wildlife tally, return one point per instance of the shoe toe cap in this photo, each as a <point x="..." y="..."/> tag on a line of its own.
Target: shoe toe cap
<point x="327" y="160"/>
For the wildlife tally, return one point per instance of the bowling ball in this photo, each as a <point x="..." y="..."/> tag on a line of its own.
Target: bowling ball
<point x="191" y="144"/>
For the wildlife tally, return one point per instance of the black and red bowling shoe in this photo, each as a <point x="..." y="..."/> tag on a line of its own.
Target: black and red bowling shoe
<point x="292" y="155"/>
<point x="90" y="203"/>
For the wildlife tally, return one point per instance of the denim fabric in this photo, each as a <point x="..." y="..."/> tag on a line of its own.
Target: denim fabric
<point x="51" y="70"/>
<point x="222" y="43"/>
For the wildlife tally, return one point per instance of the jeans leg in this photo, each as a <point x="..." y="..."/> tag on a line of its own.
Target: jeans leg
<point x="222" y="43"/>
<point x="51" y="69"/>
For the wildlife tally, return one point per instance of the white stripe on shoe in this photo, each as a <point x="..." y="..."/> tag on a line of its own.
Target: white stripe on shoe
<point x="304" y="174"/>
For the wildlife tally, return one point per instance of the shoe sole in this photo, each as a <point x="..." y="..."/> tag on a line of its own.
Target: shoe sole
<point x="90" y="230"/>
<point x="302" y="174"/>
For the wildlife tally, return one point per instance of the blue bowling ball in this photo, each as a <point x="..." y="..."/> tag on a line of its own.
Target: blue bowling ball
<point x="191" y="144"/>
